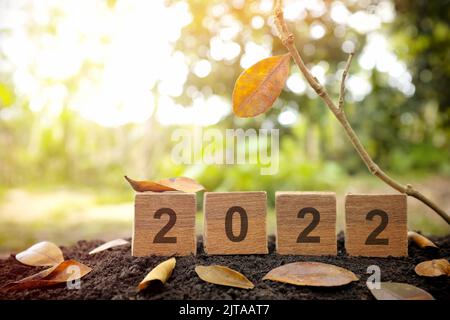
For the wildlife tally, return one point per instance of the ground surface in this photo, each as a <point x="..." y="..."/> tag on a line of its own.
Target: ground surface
<point x="116" y="274"/>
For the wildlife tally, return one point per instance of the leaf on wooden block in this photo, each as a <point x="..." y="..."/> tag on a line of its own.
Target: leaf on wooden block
<point x="65" y="271"/>
<point x="421" y="241"/>
<point x="311" y="274"/>
<point x="172" y="184"/>
<point x="161" y="273"/>
<point x="258" y="87"/>
<point x="109" y="245"/>
<point x="223" y="276"/>
<point x="43" y="253"/>
<point x="433" y="268"/>
<point x="182" y="184"/>
<point x="399" y="291"/>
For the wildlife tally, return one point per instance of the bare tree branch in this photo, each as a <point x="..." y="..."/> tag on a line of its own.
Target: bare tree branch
<point x="287" y="38"/>
<point x="344" y="77"/>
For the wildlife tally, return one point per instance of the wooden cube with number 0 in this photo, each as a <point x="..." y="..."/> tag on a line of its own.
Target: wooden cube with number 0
<point x="164" y="224"/>
<point x="306" y="223"/>
<point x="376" y="225"/>
<point x="235" y="223"/>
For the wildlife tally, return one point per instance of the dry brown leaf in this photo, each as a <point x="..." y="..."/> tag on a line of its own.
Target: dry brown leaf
<point x="57" y="274"/>
<point x="399" y="291"/>
<point x="160" y="273"/>
<point x="420" y="240"/>
<point x="223" y="276"/>
<point x="43" y="253"/>
<point x="433" y="268"/>
<point x="109" y="245"/>
<point x="172" y="184"/>
<point x="311" y="274"/>
<point x="258" y="87"/>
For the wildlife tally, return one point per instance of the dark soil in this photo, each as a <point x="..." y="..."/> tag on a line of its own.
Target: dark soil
<point x="116" y="275"/>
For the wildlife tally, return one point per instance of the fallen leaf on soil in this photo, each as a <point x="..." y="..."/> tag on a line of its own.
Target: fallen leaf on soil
<point x="160" y="273"/>
<point x="399" y="291"/>
<point x="223" y="276"/>
<point x="258" y="87"/>
<point x="420" y="240"/>
<point x="311" y="274"/>
<point x="172" y="184"/>
<point x="65" y="271"/>
<point x="109" y="245"/>
<point x="433" y="268"/>
<point x="41" y="254"/>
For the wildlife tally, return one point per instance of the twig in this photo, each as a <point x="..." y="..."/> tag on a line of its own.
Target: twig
<point x="287" y="38"/>
<point x="344" y="77"/>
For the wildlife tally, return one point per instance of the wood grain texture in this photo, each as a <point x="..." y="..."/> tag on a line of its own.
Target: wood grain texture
<point x="289" y="226"/>
<point x="216" y="206"/>
<point x="359" y="227"/>
<point x="146" y="226"/>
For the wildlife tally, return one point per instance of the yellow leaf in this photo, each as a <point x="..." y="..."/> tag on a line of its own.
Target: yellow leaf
<point x="311" y="274"/>
<point x="109" y="245"/>
<point x="420" y="240"/>
<point x="160" y="273"/>
<point x="259" y="86"/>
<point x="433" y="268"/>
<point x="399" y="291"/>
<point x="172" y="184"/>
<point x="68" y="270"/>
<point x="41" y="254"/>
<point x="223" y="276"/>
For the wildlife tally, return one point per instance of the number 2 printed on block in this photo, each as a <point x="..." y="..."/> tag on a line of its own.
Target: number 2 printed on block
<point x="164" y="224"/>
<point x="306" y="223"/>
<point x="376" y="225"/>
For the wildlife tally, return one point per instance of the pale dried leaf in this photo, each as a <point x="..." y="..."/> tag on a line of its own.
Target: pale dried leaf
<point x="160" y="273"/>
<point x="43" y="253"/>
<point x="142" y="186"/>
<point x="172" y="184"/>
<point x="223" y="276"/>
<point x="258" y="87"/>
<point x="311" y="274"/>
<point x="420" y="240"/>
<point x="65" y="271"/>
<point x="433" y="268"/>
<point x="399" y="291"/>
<point x="109" y="245"/>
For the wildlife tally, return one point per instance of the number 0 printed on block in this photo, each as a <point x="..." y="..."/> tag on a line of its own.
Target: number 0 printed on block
<point x="235" y="223"/>
<point x="164" y="224"/>
<point x="376" y="225"/>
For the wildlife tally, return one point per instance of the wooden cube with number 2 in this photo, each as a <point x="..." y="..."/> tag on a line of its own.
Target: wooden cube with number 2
<point x="376" y="225"/>
<point x="235" y="223"/>
<point x="306" y="223"/>
<point x="164" y="224"/>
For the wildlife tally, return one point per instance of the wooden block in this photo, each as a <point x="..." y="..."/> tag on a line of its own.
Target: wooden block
<point x="164" y="224"/>
<point x="306" y="223"/>
<point x="235" y="223"/>
<point x="376" y="225"/>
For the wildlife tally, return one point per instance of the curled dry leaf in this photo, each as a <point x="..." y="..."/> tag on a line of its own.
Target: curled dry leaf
<point x="43" y="253"/>
<point x="420" y="240"/>
<point x="311" y="274"/>
<point x="68" y="270"/>
<point x="172" y="184"/>
<point x="160" y="273"/>
<point x="223" y="276"/>
<point x="399" y="291"/>
<point x="109" y="245"/>
<point x="433" y="268"/>
<point x="259" y="86"/>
